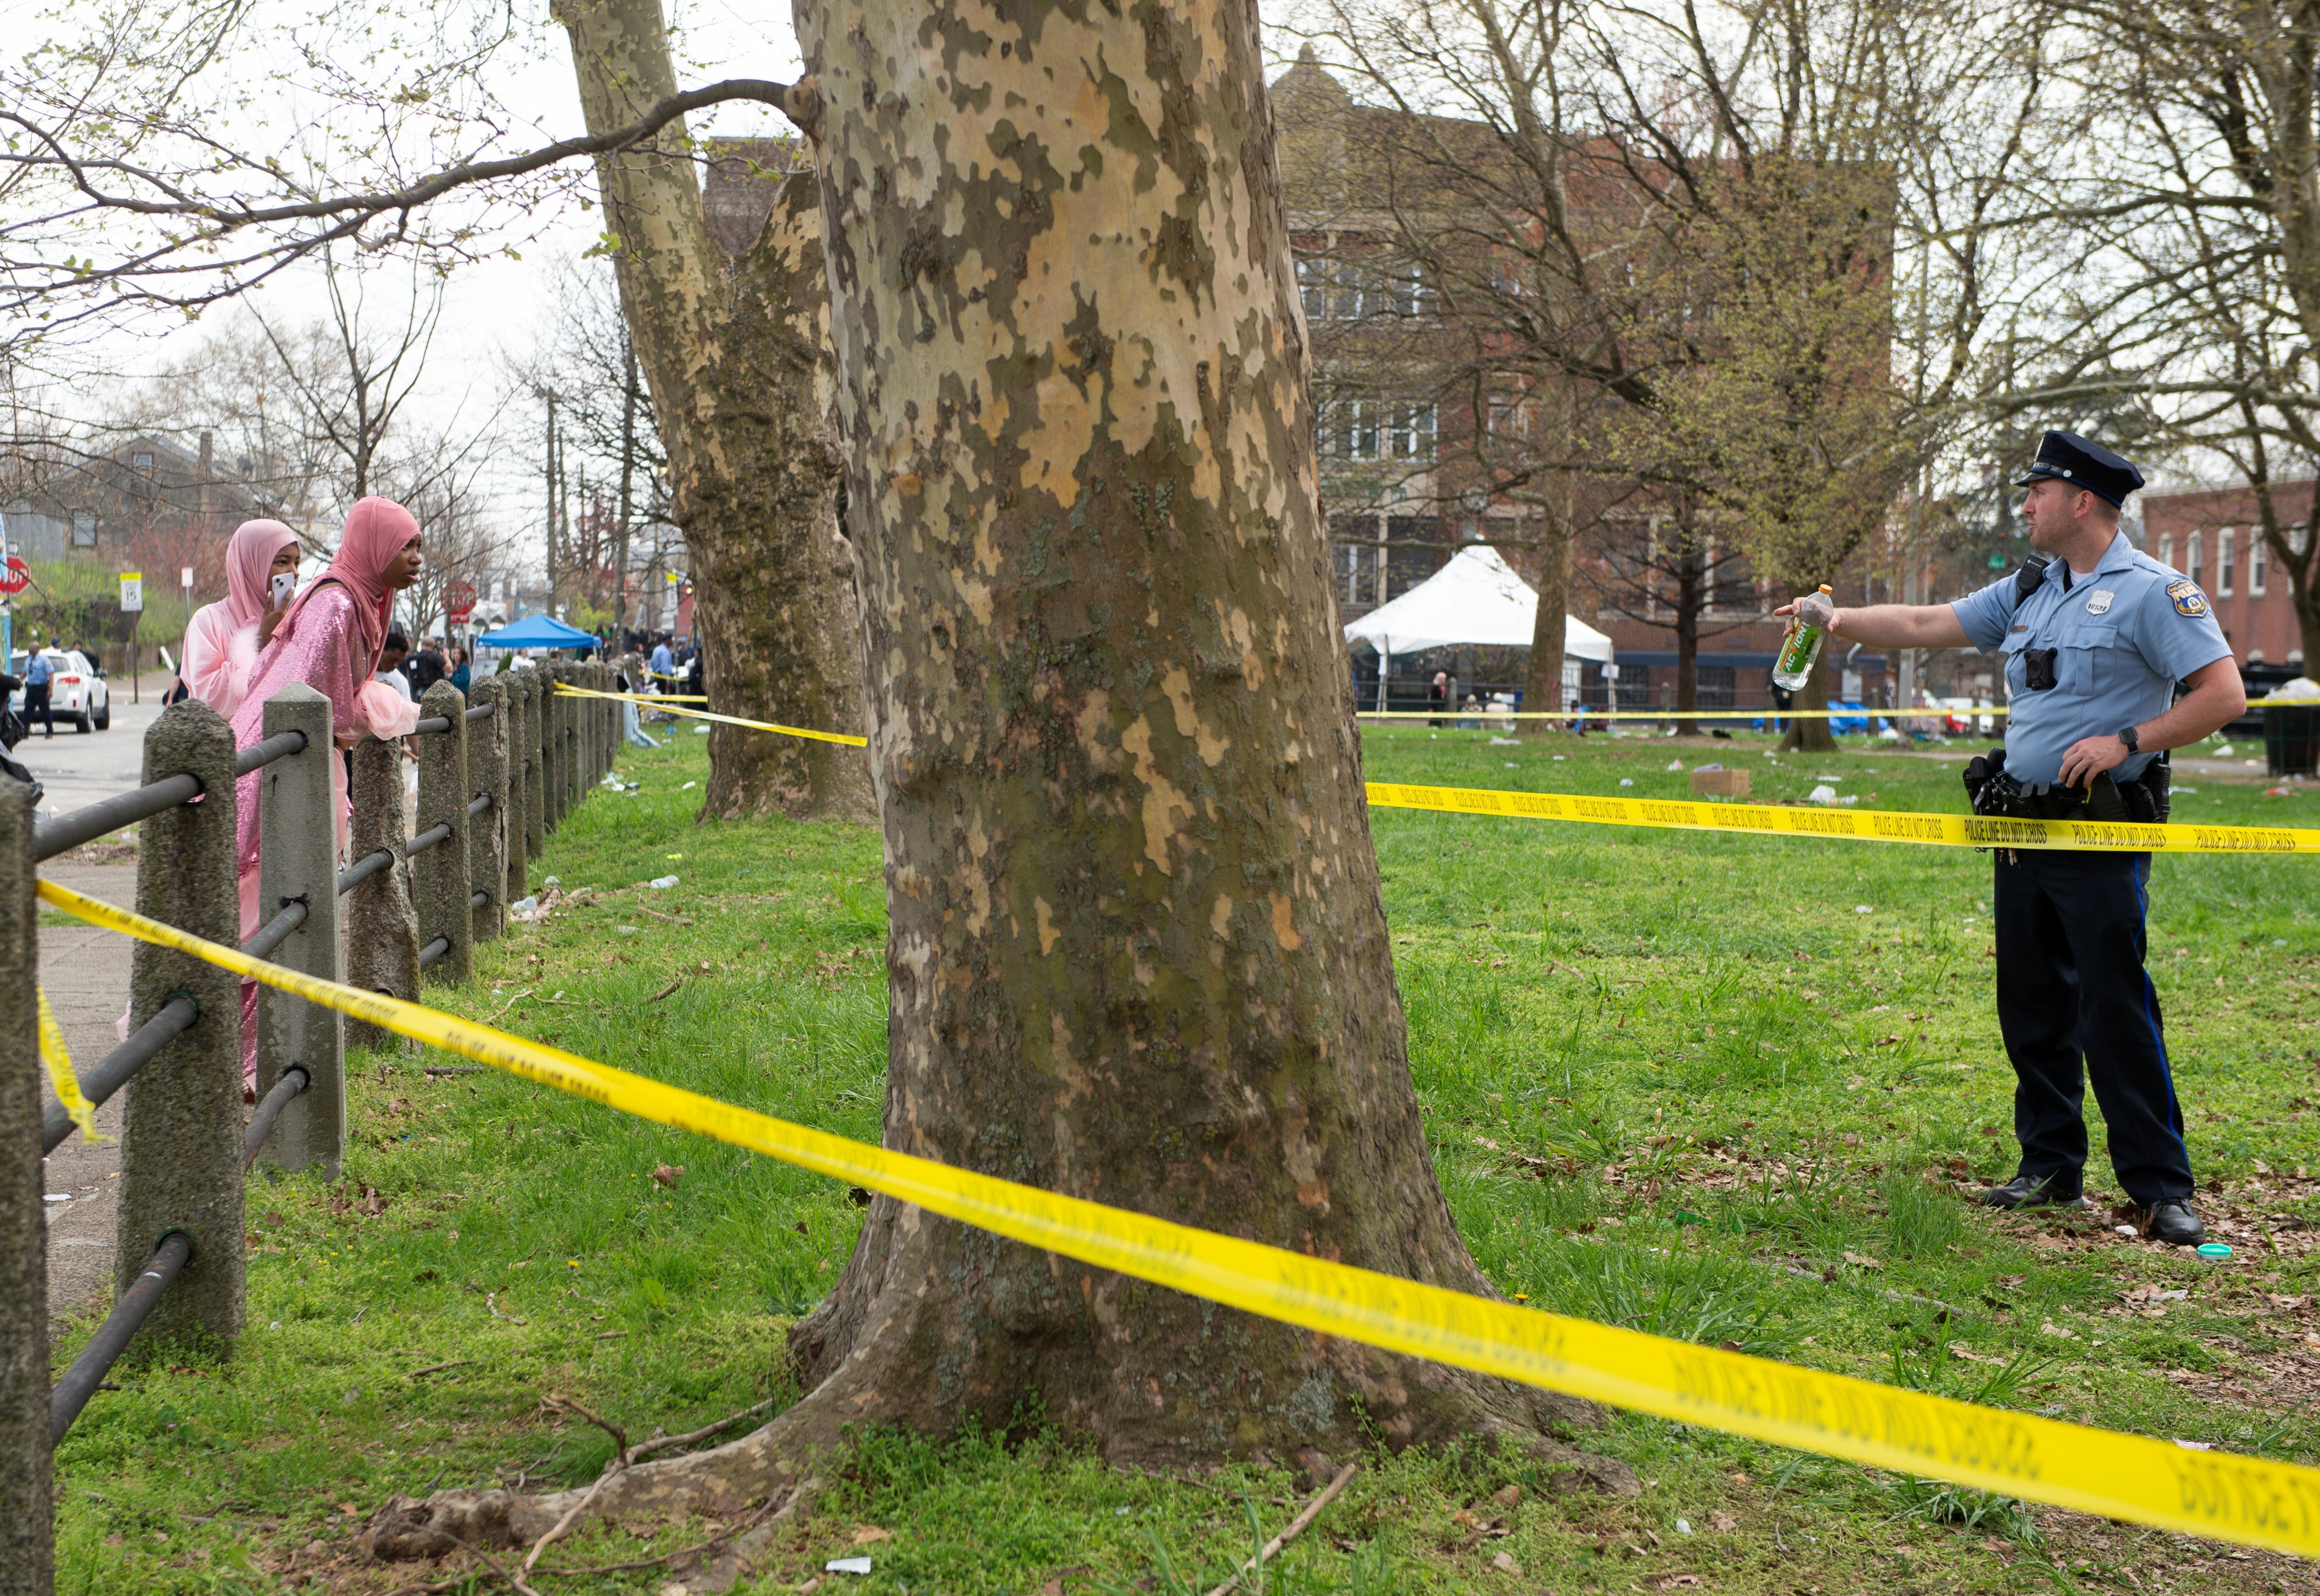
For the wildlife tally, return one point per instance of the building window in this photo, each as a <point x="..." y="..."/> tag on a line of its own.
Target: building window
<point x="2191" y="563"/>
<point x="1313" y="287"/>
<point x="2167" y="550"/>
<point x="2224" y="564"/>
<point x="1353" y="574"/>
<point x="1413" y="430"/>
<point x="2258" y="558"/>
<point x="1404" y="291"/>
<point x="1364" y="429"/>
<point x="84" y="528"/>
<point x="140" y="462"/>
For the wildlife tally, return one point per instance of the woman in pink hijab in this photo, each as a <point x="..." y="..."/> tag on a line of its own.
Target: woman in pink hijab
<point x="330" y="641"/>
<point x="222" y="640"/>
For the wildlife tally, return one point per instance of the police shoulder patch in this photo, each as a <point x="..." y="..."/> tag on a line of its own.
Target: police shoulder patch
<point x="2188" y="599"/>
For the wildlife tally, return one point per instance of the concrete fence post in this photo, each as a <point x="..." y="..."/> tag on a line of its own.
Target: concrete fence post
<point x="382" y="941"/>
<point x="516" y="709"/>
<point x="438" y="876"/>
<point x="487" y="776"/>
<point x="535" y="766"/>
<point x="27" y="1548"/>
<point x="298" y="861"/>
<point x="575" y="750"/>
<point x="181" y="1131"/>
<point x="551" y="746"/>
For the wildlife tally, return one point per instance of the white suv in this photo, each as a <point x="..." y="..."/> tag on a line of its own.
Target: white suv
<point x="76" y="692"/>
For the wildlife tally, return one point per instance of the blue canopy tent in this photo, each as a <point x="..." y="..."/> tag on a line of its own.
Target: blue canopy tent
<point x="537" y="631"/>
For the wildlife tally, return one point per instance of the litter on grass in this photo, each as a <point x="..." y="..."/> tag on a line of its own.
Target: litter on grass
<point x="661" y="883"/>
<point x="847" y="1565"/>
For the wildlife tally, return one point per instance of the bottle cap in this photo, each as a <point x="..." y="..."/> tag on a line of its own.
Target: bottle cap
<point x="1827" y="589"/>
<point x="2214" y="1249"/>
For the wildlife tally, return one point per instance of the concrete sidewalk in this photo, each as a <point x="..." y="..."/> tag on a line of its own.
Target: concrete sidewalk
<point x="85" y="971"/>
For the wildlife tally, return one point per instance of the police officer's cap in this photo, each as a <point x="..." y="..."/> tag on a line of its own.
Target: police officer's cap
<point x="2067" y="457"/>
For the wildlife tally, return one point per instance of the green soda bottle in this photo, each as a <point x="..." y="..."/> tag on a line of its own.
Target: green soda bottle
<point x="1800" y="649"/>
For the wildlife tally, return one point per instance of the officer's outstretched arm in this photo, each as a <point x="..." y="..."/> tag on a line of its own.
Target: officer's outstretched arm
<point x="1895" y="625"/>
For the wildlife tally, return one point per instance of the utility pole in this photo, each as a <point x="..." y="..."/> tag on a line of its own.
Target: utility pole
<point x="552" y="474"/>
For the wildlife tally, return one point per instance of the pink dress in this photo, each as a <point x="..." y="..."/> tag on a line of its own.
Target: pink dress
<point x="327" y="653"/>
<point x="218" y="658"/>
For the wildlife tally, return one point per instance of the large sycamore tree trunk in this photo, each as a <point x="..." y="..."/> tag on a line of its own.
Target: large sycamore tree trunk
<point x="1138" y="952"/>
<point x="1543" y="672"/>
<point x="735" y="356"/>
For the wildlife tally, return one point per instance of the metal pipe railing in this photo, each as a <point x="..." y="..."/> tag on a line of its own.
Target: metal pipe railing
<point x="434" y="952"/>
<point x="258" y="755"/>
<point x="276" y="930"/>
<point x="362" y="869"/>
<point x="483" y="712"/>
<point x="294" y="1081"/>
<point x="432" y="725"/>
<point x="96" y="1359"/>
<point x="440" y="832"/>
<point x="113" y="1071"/>
<point x="69" y="831"/>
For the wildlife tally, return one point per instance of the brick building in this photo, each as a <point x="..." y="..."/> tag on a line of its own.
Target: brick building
<point x="2212" y="535"/>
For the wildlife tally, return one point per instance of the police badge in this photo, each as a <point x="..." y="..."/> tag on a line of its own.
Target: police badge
<point x="2100" y="604"/>
<point x="2188" y="599"/>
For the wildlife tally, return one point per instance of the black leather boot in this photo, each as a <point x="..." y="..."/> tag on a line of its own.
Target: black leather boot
<point x="2173" y="1220"/>
<point x="2058" y="1190"/>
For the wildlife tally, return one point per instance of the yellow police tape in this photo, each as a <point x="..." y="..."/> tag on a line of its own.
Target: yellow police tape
<point x="1860" y="826"/>
<point x="2247" y="1499"/>
<point x="61" y="1078"/>
<point x="663" y="704"/>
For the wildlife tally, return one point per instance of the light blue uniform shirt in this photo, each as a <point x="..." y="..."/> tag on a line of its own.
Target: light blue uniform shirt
<point x="2122" y="637"/>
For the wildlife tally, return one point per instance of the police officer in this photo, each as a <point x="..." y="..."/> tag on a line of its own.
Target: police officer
<point x="2096" y="637"/>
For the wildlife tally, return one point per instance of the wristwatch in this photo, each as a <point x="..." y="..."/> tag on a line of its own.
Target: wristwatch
<point x="2134" y="743"/>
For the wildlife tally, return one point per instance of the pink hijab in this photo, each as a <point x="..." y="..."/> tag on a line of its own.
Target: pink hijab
<point x="249" y="559"/>
<point x="376" y="530"/>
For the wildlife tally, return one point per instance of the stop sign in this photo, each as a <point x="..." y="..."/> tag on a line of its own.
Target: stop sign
<point x="459" y="600"/>
<point x="17" y="576"/>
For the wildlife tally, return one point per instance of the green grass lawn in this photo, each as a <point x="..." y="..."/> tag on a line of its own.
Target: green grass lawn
<point x="1720" y="1087"/>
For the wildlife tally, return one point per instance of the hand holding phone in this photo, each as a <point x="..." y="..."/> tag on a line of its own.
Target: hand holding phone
<point x="284" y="584"/>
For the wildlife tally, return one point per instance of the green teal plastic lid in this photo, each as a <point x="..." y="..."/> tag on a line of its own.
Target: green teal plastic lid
<point x="2214" y="1249"/>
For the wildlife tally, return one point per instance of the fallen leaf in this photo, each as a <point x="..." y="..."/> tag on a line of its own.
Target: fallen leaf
<point x="348" y="1508"/>
<point x="865" y="1534"/>
<point x="668" y="1174"/>
<point x="1505" y="1563"/>
<point x="1509" y="1497"/>
<point x="1723" y="1523"/>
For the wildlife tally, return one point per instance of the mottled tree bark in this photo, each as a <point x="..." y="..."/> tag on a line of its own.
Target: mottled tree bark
<point x="735" y="356"/>
<point x="1138" y="951"/>
<point x="1543" y="672"/>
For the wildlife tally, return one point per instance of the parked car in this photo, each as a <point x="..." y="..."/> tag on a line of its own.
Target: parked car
<point x="1961" y="719"/>
<point x="78" y="691"/>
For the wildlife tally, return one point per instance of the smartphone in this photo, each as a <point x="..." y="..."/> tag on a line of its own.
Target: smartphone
<point x="284" y="584"/>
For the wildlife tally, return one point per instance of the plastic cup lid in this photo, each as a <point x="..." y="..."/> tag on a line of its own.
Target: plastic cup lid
<point x="2214" y="1249"/>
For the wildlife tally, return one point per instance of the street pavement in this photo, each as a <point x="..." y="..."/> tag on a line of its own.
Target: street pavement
<point x="77" y="768"/>
<point x="85" y="971"/>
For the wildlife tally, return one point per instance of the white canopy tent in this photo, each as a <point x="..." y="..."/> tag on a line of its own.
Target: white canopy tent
<point x="1475" y="599"/>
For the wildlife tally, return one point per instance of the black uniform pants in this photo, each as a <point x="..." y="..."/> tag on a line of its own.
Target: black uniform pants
<point x="2071" y="986"/>
<point x="36" y="702"/>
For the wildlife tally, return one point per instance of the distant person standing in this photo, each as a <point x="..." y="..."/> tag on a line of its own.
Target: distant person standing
<point x="463" y="675"/>
<point x="663" y="664"/>
<point x="426" y="667"/>
<point x="38" y="672"/>
<point x="1438" y="694"/>
<point x="392" y="659"/>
